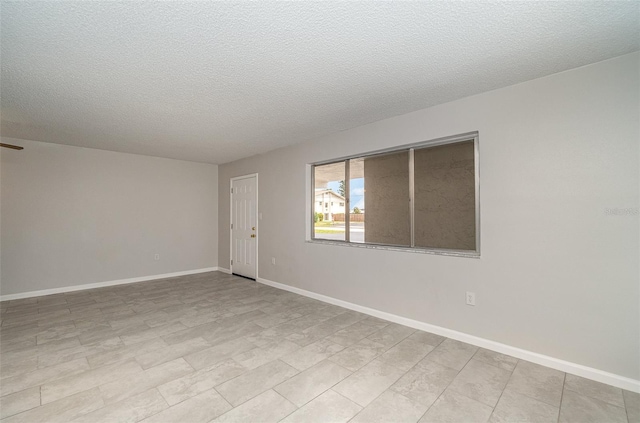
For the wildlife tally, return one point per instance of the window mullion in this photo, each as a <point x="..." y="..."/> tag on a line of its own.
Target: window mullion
<point x="313" y="202"/>
<point x="412" y="197"/>
<point x="347" y="202"/>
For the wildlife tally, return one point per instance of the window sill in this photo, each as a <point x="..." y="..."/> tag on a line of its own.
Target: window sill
<point x="433" y="251"/>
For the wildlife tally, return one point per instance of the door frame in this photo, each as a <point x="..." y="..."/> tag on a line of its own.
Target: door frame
<point x="231" y="180"/>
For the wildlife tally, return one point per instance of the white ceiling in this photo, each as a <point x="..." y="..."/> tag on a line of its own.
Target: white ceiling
<point x="217" y="81"/>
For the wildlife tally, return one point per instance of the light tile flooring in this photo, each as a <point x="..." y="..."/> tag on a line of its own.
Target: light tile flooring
<point x="214" y="347"/>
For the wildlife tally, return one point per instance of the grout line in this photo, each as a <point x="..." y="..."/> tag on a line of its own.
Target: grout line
<point x="445" y="388"/>
<point x="564" y="381"/>
<point x="321" y="393"/>
<point x="473" y="399"/>
<point x="348" y="399"/>
<point x="223" y="399"/>
<point x="501" y="394"/>
<point x="493" y="364"/>
<point x="626" y="409"/>
<point x="529" y="396"/>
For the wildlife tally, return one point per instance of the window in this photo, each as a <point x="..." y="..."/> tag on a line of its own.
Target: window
<point x="420" y="197"/>
<point x="326" y="183"/>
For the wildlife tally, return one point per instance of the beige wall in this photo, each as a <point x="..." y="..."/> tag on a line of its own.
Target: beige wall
<point x="71" y="216"/>
<point x="558" y="274"/>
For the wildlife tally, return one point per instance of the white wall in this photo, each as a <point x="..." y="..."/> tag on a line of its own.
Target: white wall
<point x="557" y="276"/>
<point x="72" y="216"/>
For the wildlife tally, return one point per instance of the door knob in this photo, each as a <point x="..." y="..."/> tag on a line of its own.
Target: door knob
<point x="253" y="235"/>
<point x="253" y="229"/>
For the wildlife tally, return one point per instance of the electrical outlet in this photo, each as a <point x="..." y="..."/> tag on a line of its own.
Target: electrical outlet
<point x="273" y="260"/>
<point x="471" y="298"/>
<point x="156" y="257"/>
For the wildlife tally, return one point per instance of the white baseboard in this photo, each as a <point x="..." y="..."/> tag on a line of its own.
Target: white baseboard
<point x="544" y="360"/>
<point x="102" y="284"/>
<point x="223" y="270"/>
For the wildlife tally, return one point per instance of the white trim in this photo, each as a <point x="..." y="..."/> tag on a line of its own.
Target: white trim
<point x="416" y="250"/>
<point x="223" y="270"/>
<point x="103" y="284"/>
<point x="310" y="195"/>
<point x="236" y="178"/>
<point x="544" y="360"/>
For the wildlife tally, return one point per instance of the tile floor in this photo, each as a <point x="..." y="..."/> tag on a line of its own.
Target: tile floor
<point x="214" y="347"/>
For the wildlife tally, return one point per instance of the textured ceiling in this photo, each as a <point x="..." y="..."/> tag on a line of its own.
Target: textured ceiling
<point x="217" y="81"/>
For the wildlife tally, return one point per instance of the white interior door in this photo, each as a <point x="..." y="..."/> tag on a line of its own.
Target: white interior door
<point x="244" y="225"/>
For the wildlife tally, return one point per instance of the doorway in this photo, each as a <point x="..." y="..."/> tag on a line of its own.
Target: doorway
<point x="244" y="226"/>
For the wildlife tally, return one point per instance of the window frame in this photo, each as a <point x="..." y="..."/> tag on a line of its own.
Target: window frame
<point x="470" y="136"/>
